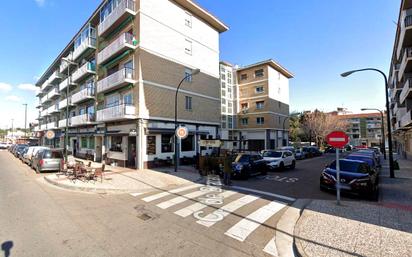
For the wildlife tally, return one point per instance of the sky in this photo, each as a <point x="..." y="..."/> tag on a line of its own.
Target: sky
<point x="314" y="39"/>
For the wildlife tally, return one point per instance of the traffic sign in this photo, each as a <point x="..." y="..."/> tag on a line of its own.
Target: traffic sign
<point x="210" y="143"/>
<point x="182" y="132"/>
<point x="50" y="134"/>
<point x="337" y="139"/>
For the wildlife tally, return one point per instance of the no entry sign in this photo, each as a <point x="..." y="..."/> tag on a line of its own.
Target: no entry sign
<point x="337" y="139"/>
<point x="182" y="132"/>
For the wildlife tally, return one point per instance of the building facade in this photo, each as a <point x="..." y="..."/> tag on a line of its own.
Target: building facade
<point x="117" y="80"/>
<point x="255" y="105"/>
<point x="400" y="82"/>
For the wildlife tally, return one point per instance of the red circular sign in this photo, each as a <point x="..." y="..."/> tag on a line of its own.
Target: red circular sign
<point x="337" y="139"/>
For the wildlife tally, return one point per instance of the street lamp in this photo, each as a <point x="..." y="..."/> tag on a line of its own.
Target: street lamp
<point x="66" y="133"/>
<point x="177" y="152"/>
<point x="382" y="130"/>
<point x="345" y="74"/>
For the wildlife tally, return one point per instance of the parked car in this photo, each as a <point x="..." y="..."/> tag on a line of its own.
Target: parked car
<point x="355" y="177"/>
<point x="48" y="160"/>
<point x="246" y="165"/>
<point x="300" y="154"/>
<point x="19" y="149"/>
<point x="31" y="151"/>
<point x="371" y="161"/>
<point x="279" y="159"/>
<point x="312" y="151"/>
<point x="3" y="146"/>
<point x="22" y="152"/>
<point x="288" y="148"/>
<point x="371" y="153"/>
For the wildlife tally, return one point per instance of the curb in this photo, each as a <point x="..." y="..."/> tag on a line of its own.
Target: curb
<point x="285" y="228"/>
<point x="92" y="190"/>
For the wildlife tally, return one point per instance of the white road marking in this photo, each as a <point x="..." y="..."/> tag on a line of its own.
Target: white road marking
<point x="200" y="206"/>
<point x="227" y="209"/>
<point x="136" y="194"/>
<point x="264" y="193"/>
<point x="271" y="248"/>
<point x="246" y="226"/>
<point x="163" y="194"/>
<point x="181" y="199"/>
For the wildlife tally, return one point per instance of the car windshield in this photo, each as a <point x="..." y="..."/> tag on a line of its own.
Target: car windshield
<point x="53" y="155"/>
<point x="272" y="154"/>
<point x="366" y="159"/>
<point x="347" y="166"/>
<point x="242" y="158"/>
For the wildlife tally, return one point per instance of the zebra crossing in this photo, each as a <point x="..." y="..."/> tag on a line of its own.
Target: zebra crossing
<point x="192" y="197"/>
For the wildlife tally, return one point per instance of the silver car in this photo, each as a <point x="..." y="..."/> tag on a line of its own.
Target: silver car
<point x="31" y="152"/>
<point x="48" y="160"/>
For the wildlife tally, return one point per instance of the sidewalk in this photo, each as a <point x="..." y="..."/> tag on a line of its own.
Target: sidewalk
<point x="122" y="180"/>
<point x="361" y="228"/>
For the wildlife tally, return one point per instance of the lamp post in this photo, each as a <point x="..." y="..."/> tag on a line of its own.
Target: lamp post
<point x="25" y="121"/>
<point x="345" y="74"/>
<point x="66" y="133"/>
<point x="382" y="129"/>
<point x="177" y="151"/>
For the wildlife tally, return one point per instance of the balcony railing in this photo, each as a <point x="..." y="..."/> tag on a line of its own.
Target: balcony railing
<point x="43" y="127"/>
<point x="53" y="109"/>
<point x="118" y="15"/>
<point x="84" y="94"/>
<point x="82" y="119"/>
<point x="123" y="42"/>
<point x="118" y="112"/>
<point x="406" y="91"/>
<point x="406" y="119"/>
<point x="87" y="68"/>
<point x="64" y="64"/>
<point x="89" y="43"/>
<point x="62" y="123"/>
<point x="116" y="80"/>
<point x="44" y="99"/>
<point x="406" y="54"/>
<point x="44" y="113"/>
<point x="52" y="125"/>
<point x="408" y="21"/>
<point x="63" y="103"/>
<point x="54" y="93"/>
<point x="65" y="83"/>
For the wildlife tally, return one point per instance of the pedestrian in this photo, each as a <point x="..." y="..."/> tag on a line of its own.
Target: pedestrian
<point x="227" y="169"/>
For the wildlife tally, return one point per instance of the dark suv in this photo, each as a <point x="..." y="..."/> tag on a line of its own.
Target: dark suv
<point x="246" y="165"/>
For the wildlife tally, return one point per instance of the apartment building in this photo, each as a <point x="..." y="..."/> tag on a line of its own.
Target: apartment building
<point x="364" y="129"/>
<point x="117" y="80"/>
<point x="255" y="105"/>
<point x="400" y="82"/>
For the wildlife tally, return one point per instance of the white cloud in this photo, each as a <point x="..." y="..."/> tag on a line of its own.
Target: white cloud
<point x="5" y="87"/>
<point x="29" y="87"/>
<point x="13" y="98"/>
<point x="40" y="3"/>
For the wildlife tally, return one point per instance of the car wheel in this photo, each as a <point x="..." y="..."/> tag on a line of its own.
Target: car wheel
<point x="293" y="165"/>
<point x="281" y="166"/>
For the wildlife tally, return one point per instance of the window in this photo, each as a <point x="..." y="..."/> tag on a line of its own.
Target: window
<point x="188" y="75"/>
<point x="259" y="73"/>
<point x="151" y="145"/>
<point x="229" y="107"/>
<point x="223" y="84"/>
<point x="244" y="121"/>
<point x="260" y="120"/>
<point x="188" y="144"/>
<point x="243" y="77"/>
<point x="244" y="106"/>
<point x="112" y="100"/>
<point x="223" y="76"/>
<point x="83" y="141"/>
<point x="223" y="93"/>
<point x="128" y="69"/>
<point x="260" y="104"/>
<point x="188" y="20"/>
<point x="116" y="144"/>
<point x="128" y="99"/>
<point x="167" y="145"/>
<point x="188" y="101"/>
<point x="223" y="101"/>
<point x="230" y="122"/>
<point x="91" y="142"/>
<point x="260" y="89"/>
<point x="188" y="47"/>
<point x="223" y="108"/>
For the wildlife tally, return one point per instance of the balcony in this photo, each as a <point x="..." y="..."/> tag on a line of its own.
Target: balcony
<point x="86" y="69"/>
<point x="89" y="43"/>
<point x="82" y="119"/>
<point x="38" y="105"/>
<point x="64" y="64"/>
<point x="63" y="103"/>
<point x="406" y="120"/>
<point x="118" y="112"/>
<point x="84" y="94"/>
<point x="66" y="83"/>
<point x="406" y="91"/>
<point x="62" y="123"/>
<point x="53" y="93"/>
<point x="116" y="80"/>
<point x="124" y="42"/>
<point x="52" y="125"/>
<point x="124" y="9"/>
<point x="44" y="99"/>
<point x="43" y="127"/>
<point x="39" y="93"/>
<point x="405" y="36"/>
<point x="53" y="109"/>
<point x="406" y="64"/>
<point x="54" y="77"/>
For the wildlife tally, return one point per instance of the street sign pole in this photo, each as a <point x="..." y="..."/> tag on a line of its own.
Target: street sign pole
<point x="337" y="177"/>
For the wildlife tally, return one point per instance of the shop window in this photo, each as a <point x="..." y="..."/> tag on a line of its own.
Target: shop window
<point x="116" y="144"/>
<point x="91" y="143"/>
<point x="83" y="142"/>
<point x="188" y="144"/>
<point x="167" y="143"/>
<point x="151" y="145"/>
